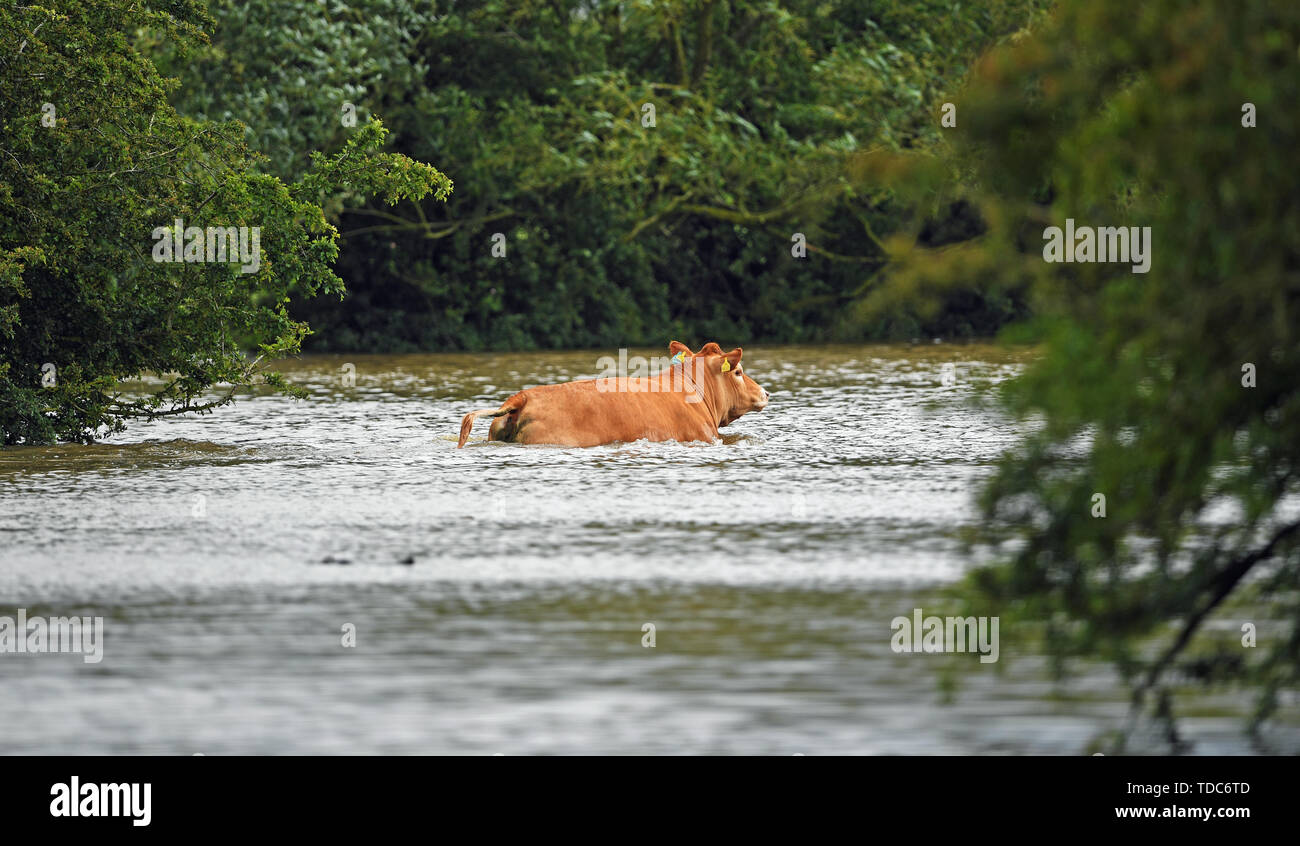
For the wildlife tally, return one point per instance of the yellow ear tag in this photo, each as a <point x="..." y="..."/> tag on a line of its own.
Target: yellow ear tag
<point x="680" y="358"/>
<point x="726" y="365"/>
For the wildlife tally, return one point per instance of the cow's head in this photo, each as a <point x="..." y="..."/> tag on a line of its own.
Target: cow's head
<point x="735" y="393"/>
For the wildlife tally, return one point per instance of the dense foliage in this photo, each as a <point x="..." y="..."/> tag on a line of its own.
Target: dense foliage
<point x="617" y="229"/>
<point x="93" y="162"/>
<point x="1162" y="476"/>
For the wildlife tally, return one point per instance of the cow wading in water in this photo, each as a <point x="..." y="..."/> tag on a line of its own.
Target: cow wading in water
<point x="685" y="402"/>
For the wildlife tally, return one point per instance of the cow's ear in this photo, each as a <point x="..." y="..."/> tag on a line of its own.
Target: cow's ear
<point x="711" y="348"/>
<point x="731" y="360"/>
<point x="675" y="347"/>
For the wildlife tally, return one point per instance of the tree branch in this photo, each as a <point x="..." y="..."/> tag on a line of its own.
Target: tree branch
<point x="1222" y="585"/>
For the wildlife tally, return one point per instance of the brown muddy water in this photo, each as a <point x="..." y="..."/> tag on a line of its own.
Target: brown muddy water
<point x="499" y="593"/>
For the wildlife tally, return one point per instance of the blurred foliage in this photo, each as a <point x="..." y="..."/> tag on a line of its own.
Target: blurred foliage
<point x="1114" y="113"/>
<point x="616" y="232"/>
<point x="92" y="160"/>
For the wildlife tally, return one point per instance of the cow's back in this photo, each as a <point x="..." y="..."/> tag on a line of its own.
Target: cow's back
<point x="600" y="411"/>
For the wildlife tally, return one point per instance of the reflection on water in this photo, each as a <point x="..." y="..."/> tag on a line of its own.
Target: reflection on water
<point x="499" y="592"/>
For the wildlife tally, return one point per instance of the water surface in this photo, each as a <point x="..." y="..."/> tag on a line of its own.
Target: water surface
<point x="499" y="592"/>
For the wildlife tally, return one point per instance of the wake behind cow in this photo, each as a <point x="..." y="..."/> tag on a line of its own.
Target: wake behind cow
<point x="685" y="402"/>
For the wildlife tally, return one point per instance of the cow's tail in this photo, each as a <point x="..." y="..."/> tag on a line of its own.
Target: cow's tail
<point x="467" y="424"/>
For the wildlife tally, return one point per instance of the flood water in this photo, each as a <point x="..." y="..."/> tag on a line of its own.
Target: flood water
<point x="499" y="594"/>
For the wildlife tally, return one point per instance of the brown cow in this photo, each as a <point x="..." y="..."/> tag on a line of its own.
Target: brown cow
<point x="685" y="402"/>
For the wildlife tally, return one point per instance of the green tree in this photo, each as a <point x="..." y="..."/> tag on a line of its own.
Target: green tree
<point x="616" y="232"/>
<point x="1175" y="393"/>
<point x="93" y="160"/>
